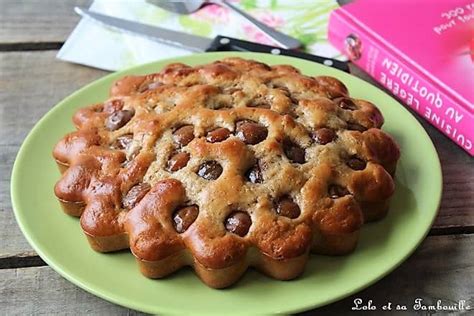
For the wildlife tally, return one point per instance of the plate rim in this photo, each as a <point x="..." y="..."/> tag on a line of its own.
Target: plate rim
<point x="126" y="302"/>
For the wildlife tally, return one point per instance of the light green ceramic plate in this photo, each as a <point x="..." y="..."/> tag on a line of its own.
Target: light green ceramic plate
<point x="59" y="240"/>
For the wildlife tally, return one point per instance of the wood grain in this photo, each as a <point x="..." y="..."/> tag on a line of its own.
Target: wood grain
<point x="21" y="260"/>
<point x="31" y="84"/>
<point x="441" y="269"/>
<point x="31" y="21"/>
<point x="41" y="290"/>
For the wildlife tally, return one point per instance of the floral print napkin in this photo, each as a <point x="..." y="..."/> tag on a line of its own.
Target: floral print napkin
<point x="95" y="45"/>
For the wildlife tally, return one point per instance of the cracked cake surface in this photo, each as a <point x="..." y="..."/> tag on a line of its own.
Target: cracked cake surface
<point x="225" y="166"/>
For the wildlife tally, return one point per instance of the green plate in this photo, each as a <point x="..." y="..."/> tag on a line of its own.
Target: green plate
<point x="58" y="238"/>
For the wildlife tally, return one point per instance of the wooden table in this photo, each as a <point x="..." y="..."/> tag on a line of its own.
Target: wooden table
<point x="32" y="81"/>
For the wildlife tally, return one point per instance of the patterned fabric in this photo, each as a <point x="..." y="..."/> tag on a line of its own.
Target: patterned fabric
<point x="101" y="47"/>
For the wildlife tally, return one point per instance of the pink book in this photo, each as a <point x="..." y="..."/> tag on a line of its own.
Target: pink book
<point x="422" y="51"/>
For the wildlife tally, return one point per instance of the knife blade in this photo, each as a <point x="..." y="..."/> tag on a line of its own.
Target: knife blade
<point x="198" y="43"/>
<point x="179" y="39"/>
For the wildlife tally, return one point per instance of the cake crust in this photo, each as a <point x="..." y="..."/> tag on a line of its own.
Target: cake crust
<point x="225" y="166"/>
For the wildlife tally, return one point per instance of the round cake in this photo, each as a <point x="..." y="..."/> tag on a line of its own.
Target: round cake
<point x="225" y="166"/>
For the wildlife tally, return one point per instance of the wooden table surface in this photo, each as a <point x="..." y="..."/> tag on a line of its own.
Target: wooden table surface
<point x="32" y="81"/>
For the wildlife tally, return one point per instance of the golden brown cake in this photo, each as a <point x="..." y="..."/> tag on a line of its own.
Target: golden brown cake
<point x="225" y="166"/>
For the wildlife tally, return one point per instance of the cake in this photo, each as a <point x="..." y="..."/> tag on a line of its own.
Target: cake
<point x="226" y="166"/>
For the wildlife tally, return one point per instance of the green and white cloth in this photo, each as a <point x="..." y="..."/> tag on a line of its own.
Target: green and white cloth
<point x="101" y="47"/>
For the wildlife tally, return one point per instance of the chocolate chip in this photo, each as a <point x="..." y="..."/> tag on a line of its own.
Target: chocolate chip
<point x="218" y="135"/>
<point x="184" y="217"/>
<point x="238" y="223"/>
<point x="251" y="132"/>
<point x="184" y="135"/>
<point x="286" y="207"/>
<point x="324" y="135"/>
<point x="346" y="104"/>
<point x="335" y="191"/>
<point x="135" y="194"/>
<point x="118" y="119"/>
<point x="122" y="142"/>
<point x="356" y="163"/>
<point x="254" y="174"/>
<point x="210" y="170"/>
<point x="293" y="151"/>
<point x="178" y="161"/>
<point x="356" y="127"/>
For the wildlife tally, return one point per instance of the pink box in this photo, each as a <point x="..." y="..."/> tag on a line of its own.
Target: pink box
<point x="422" y="51"/>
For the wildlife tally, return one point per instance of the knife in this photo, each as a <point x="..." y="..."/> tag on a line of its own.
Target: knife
<point x="202" y="44"/>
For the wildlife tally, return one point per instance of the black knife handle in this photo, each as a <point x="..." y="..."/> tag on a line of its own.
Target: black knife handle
<point x="225" y="43"/>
